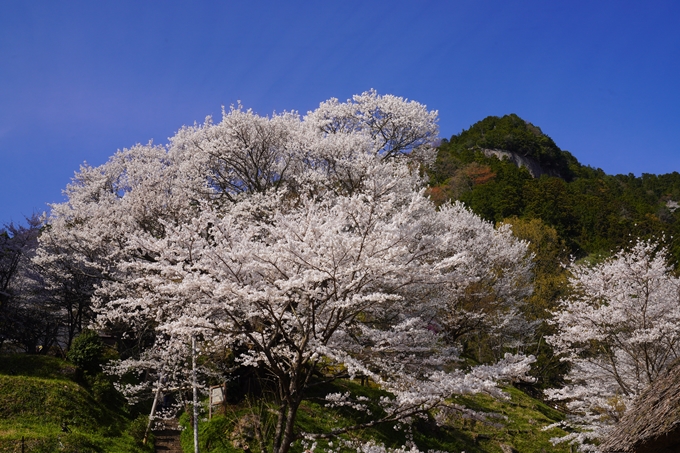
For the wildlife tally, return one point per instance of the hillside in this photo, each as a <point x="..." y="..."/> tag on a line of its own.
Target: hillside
<point x="512" y="135"/>
<point x="496" y="426"/>
<point x="40" y="399"/>
<point x="44" y="407"/>
<point x="593" y="213"/>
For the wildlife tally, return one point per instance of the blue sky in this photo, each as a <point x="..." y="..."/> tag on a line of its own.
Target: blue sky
<point x="79" y="80"/>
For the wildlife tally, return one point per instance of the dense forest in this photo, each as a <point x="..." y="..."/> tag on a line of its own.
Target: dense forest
<point x="342" y="262"/>
<point x="592" y="212"/>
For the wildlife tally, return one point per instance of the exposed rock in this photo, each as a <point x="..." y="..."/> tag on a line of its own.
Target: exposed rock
<point x="519" y="160"/>
<point x="507" y="448"/>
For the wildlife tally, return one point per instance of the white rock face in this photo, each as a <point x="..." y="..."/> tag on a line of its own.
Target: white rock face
<point x="519" y="160"/>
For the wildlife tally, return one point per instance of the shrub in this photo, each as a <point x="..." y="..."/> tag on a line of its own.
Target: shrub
<point x="87" y="351"/>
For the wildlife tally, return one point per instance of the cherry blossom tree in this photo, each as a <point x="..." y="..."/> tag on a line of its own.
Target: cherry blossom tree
<point x="618" y="330"/>
<point x="323" y="286"/>
<point x="304" y="245"/>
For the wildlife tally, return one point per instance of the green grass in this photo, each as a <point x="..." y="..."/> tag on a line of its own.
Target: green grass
<point x="40" y="395"/>
<point x="39" y="366"/>
<point x="516" y="422"/>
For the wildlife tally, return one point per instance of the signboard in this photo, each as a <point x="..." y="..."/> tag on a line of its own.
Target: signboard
<point x="218" y="396"/>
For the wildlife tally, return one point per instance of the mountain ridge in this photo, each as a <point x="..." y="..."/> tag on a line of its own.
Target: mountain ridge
<point x="505" y="167"/>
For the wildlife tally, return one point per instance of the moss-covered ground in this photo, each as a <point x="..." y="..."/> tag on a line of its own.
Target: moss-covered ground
<point x="513" y="424"/>
<point x="46" y="407"/>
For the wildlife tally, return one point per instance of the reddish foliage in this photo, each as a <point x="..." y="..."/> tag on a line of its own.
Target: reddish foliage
<point x="479" y="174"/>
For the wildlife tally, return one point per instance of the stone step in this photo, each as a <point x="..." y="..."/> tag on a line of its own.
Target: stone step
<point x="167" y="438"/>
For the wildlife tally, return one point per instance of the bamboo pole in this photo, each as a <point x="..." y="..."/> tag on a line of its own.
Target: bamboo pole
<point x="153" y="409"/>
<point x="194" y="384"/>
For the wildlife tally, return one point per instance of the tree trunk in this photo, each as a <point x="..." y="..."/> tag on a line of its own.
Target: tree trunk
<point x="280" y="420"/>
<point x="289" y="430"/>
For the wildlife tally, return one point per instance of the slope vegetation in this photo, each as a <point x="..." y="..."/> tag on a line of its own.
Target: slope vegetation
<point x="43" y="407"/>
<point x="592" y="212"/>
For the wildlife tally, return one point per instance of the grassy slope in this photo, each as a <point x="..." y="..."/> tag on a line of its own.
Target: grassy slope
<point x="516" y="422"/>
<point x="38" y="394"/>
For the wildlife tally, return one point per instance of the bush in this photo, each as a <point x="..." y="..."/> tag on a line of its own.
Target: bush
<point x="103" y="390"/>
<point x="87" y="352"/>
<point x="137" y="429"/>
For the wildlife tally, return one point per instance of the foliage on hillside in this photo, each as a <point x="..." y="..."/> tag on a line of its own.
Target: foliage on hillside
<point x="592" y="212"/>
<point x="514" y="424"/>
<point x="513" y="134"/>
<point x="571" y="211"/>
<point x="43" y="404"/>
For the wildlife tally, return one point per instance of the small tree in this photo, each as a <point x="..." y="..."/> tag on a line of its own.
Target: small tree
<point x="87" y="351"/>
<point x="618" y="330"/>
<point x="27" y="319"/>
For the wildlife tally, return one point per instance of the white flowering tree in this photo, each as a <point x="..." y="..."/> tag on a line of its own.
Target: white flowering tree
<point x="618" y="330"/>
<point x="306" y="247"/>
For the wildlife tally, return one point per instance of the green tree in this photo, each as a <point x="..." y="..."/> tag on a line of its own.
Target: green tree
<point x="550" y="257"/>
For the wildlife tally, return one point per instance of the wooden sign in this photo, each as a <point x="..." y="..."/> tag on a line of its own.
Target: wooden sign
<point x="218" y="396"/>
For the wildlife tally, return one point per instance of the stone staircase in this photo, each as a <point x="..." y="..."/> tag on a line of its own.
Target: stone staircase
<point x="167" y="437"/>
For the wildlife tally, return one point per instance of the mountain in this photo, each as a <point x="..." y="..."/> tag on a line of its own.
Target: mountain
<point x="519" y="141"/>
<point x="506" y="167"/>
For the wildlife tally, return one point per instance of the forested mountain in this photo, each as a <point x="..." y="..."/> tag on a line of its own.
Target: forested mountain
<point x="489" y="168"/>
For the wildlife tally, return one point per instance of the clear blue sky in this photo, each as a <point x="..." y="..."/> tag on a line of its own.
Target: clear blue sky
<point x="81" y="79"/>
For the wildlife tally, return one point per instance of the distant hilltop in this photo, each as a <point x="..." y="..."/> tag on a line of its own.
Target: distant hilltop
<point x="510" y="137"/>
<point x="506" y="168"/>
